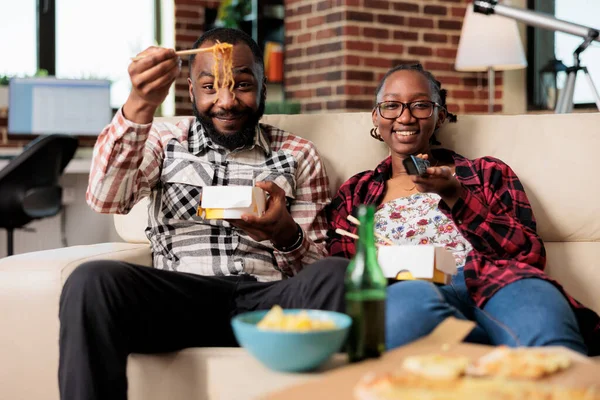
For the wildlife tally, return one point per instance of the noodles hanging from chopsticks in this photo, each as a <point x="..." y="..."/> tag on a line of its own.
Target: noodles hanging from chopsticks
<point x="222" y="55"/>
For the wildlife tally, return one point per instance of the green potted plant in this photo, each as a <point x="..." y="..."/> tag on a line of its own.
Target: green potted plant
<point x="4" y="79"/>
<point x="232" y="12"/>
<point x="283" y="107"/>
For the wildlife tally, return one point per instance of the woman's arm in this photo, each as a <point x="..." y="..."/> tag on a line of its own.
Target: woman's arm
<point x="496" y="216"/>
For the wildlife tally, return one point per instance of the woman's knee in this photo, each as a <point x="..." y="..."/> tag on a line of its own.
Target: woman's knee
<point x="413" y="299"/>
<point x="534" y="313"/>
<point x="413" y="309"/>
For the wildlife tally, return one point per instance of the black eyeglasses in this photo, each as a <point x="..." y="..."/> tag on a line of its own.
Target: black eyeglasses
<point x="420" y="109"/>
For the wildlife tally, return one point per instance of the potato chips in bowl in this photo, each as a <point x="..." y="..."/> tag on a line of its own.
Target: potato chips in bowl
<point x="278" y="320"/>
<point x="291" y="340"/>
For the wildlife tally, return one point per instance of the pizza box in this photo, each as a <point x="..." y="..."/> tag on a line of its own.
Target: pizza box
<point x="230" y="202"/>
<point x="339" y="383"/>
<point x="422" y="262"/>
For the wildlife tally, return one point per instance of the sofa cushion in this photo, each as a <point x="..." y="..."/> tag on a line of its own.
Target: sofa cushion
<point x="576" y="266"/>
<point x="553" y="155"/>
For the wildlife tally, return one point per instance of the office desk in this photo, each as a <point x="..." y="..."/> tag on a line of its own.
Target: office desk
<point x="78" y="165"/>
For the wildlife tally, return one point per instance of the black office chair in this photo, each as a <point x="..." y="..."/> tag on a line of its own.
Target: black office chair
<point x="29" y="186"/>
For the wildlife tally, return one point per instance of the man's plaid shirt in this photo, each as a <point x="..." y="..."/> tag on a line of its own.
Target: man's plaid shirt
<point x="171" y="163"/>
<point x="493" y="214"/>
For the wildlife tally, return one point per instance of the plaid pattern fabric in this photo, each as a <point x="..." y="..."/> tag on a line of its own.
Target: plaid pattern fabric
<point x="172" y="163"/>
<point x="494" y="215"/>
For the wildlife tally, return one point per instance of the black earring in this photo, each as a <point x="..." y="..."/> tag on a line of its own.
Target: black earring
<point x="375" y="134"/>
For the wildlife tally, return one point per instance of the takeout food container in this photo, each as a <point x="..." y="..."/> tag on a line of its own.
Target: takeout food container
<point x="230" y="202"/>
<point x="421" y="262"/>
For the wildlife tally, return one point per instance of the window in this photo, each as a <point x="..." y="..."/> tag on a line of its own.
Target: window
<point x="94" y="40"/>
<point x="19" y="57"/>
<point x="543" y="45"/>
<point x="84" y="39"/>
<point x="97" y="39"/>
<point x="583" y="12"/>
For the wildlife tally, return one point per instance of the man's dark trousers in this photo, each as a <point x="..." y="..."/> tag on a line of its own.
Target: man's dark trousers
<point x="109" y="309"/>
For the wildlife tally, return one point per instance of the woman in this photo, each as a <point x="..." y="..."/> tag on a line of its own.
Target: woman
<point x="475" y="208"/>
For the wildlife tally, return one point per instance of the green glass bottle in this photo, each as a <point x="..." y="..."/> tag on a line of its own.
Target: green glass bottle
<point x="365" y="287"/>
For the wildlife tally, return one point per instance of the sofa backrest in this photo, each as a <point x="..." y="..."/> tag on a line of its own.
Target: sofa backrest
<point x="554" y="155"/>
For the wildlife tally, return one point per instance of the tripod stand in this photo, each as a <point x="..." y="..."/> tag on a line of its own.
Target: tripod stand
<point x="565" y="99"/>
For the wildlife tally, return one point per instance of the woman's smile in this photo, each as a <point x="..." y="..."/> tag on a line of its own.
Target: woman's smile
<point x="405" y="136"/>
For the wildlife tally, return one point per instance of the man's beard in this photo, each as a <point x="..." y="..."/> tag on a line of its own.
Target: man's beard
<point x="244" y="137"/>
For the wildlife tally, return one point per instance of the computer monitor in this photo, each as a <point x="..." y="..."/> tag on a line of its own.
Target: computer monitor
<point x="43" y="106"/>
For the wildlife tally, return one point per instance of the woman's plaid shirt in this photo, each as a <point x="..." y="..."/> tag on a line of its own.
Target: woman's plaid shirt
<point x="171" y="163"/>
<point x="493" y="213"/>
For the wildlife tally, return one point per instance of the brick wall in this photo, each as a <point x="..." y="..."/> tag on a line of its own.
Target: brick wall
<point x="338" y="50"/>
<point x="189" y="25"/>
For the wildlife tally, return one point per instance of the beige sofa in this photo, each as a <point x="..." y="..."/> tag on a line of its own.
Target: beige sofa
<point x="555" y="156"/>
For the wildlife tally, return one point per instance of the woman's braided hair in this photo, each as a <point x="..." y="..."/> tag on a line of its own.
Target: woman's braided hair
<point x="436" y="87"/>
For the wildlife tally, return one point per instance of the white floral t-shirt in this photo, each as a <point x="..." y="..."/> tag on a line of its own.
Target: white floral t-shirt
<point x="415" y="220"/>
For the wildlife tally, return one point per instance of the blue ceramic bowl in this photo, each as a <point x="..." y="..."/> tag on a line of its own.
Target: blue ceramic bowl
<point x="291" y="351"/>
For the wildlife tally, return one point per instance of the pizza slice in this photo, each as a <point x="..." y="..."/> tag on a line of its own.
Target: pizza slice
<point x="404" y="385"/>
<point x="436" y="366"/>
<point x="523" y="363"/>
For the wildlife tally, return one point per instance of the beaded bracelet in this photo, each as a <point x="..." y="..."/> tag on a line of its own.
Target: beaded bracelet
<point x="296" y="243"/>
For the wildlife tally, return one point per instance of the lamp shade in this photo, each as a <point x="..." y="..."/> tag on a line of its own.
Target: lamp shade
<point x="489" y="41"/>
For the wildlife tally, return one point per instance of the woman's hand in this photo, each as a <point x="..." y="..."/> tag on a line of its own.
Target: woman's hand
<point x="151" y="77"/>
<point x="439" y="180"/>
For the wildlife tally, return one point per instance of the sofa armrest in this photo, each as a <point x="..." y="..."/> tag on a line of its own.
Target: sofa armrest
<point x="30" y="286"/>
<point x="65" y="260"/>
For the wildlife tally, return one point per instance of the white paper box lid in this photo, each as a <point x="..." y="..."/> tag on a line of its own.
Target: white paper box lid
<point x="227" y="196"/>
<point x="418" y="259"/>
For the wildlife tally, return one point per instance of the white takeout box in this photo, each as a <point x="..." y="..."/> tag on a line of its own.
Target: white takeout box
<point x="422" y="262"/>
<point x="230" y="202"/>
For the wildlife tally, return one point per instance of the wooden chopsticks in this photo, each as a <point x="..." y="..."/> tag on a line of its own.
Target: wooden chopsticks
<point x="353" y="236"/>
<point x="346" y="233"/>
<point x="181" y="53"/>
<point x="188" y="52"/>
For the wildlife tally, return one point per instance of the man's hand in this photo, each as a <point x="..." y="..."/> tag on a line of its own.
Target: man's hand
<point x="439" y="180"/>
<point x="151" y="77"/>
<point x="276" y="224"/>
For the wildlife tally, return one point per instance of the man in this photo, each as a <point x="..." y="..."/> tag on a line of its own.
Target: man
<point x="205" y="271"/>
